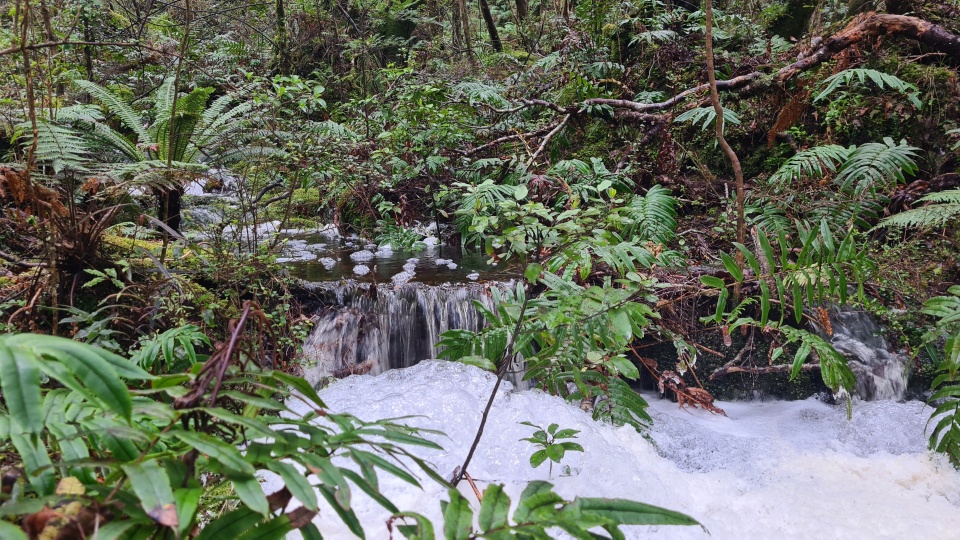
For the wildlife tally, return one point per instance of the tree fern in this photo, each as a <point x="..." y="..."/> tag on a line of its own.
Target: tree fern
<point x="653" y="216"/>
<point x="59" y="146"/>
<point x="880" y="79"/>
<point x="934" y="215"/>
<point x="116" y="105"/>
<point x="478" y="92"/>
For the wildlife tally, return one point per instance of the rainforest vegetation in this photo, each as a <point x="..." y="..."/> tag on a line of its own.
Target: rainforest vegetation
<point x="704" y="180"/>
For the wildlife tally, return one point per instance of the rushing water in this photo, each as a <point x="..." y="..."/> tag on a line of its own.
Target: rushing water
<point x="367" y="328"/>
<point x="768" y="470"/>
<point x="881" y="372"/>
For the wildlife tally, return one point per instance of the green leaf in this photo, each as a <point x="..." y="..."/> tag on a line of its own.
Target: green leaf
<point x="713" y="281"/>
<point x="275" y="529"/>
<point x="296" y="482"/>
<point x="152" y="486"/>
<point x="188" y="502"/>
<point x="538" y="499"/>
<point x="9" y="531"/>
<point x="520" y="192"/>
<point x="478" y="361"/>
<point x="423" y="530"/>
<point x="20" y="385"/>
<point x="34" y="456"/>
<point x="555" y="452"/>
<point x="226" y="454"/>
<point x="457" y="517"/>
<point x="631" y="512"/>
<point x="250" y="492"/>
<point x="537" y="458"/>
<point x="731" y="266"/>
<point x="230" y="525"/>
<point x="625" y="367"/>
<point x="494" y="509"/>
<point x="300" y="385"/>
<point x="533" y="272"/>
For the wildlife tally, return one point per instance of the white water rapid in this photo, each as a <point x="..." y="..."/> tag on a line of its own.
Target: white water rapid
<point x="775" y="470"/>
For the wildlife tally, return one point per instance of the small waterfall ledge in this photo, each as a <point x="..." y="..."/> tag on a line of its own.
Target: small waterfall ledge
<point x="881" y="372"/>
<point x="365" y="328"/>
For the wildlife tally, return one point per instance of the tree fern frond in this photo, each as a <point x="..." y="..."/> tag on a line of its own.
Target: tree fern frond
<point x="880" y="79"/>
<point x="163" y="100"/>
<point x="117" y="106"/>
<point x="654" y="216"/>
<point x="59" y="146"/>
<point x="877" y="166"/>
<point x="934" y="215"/>
<point x="812" y="162"/>
<point x="106" y="136"/>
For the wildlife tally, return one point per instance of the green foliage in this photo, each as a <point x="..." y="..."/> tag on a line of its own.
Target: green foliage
<point x="550" y="448"/>
<point x="814" y="271"/>
<point x="861" y="76"/>
<point x="945" y="209"/>
<point x="176" y="347"/>
<point x="945" y="437"/>
<point x="706" y="116"/>
<point x="126" y="447"/>
<point x="538" y="511"/>
<point x="653" y="216"/>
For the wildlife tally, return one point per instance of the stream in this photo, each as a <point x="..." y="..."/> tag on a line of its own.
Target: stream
<point x="774" y="469"/>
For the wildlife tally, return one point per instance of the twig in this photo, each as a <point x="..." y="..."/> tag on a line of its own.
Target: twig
<point x="474" y="486"/>
<point x="546" y="140"/>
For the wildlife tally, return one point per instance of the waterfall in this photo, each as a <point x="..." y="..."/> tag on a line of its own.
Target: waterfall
<point x="881" y="373"/>
<point x="365" y="328"/>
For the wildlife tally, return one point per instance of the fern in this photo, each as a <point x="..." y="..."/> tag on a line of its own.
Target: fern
<point x="877" y="165"/>
<point x="934" y="215"/>
<point x="945" y="437"/>
<point x="61" y="147"/>
<point x="477" y="92"/>
<point x="117" y="106"/>
<point x="812" y="162"/>
<point x="880" y="79"/>
<point x="653" y="215"/>
<point x="706" y="116"/>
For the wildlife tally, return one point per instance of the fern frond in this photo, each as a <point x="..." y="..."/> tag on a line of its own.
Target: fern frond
<point x="934" y="215"/>
<point x="880" y="79"/>
<point x="706" y="116"/>
<point x="117" y="106"/>
<point x="163" y="100"/>
<point x="61" y="147"/>
<point x="478" y="92"/>
<point x="877" y="166"/>
<point x="813" y="162"/>
<point x="654" y="216"/>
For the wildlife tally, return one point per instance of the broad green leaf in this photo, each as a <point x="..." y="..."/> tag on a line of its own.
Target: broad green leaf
<point x="227" y="455"/>
<point x="625" y="367"/>
<point x="348" y="516"/>
<point x="631" y="512"/>
<point x="533" y="272"/>
<point x="250" y="492"/>
<point x="537" y="498"/>
<point x="713" y="281"/>
<point x="152" y="486"/>
<point x="275" y="529"/>
<point x="731" y="266"/>
<point x="9" y="531"/>
<point x="478" y="361"/>
<point x="422" y="530"/>
<point x="188" y="501"/>
<point x="20" y="385"/>
<point x="457" y="517"/>
<point x="537" y="458"/>
<point x="296" y="482"/>
<point x="230" y="525"/>
<point x="494" y="508"/>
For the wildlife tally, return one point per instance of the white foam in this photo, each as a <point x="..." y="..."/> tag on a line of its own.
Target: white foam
<point x="361" y="256"/>
<point x="361" y="269"/>
<point x="769" y="470"/>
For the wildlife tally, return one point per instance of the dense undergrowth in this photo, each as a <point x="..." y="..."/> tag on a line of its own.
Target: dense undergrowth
<point x="576" y="141"/>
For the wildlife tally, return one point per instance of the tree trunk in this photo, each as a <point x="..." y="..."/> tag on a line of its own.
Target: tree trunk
<point x="456" y="26"/>
<point x="522" y="9"/>
<point x="169" y="203"/>
<point x="491" y="26"/>
<point x="281" y="60"/>
<point x="465" y="21"/>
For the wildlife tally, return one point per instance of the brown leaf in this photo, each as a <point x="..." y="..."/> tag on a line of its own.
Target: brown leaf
<point x="279" y="499"/>
<point x="301" y="517"/>
<point x="165" y="515"/>
<point x="824" y="317"/>
<point x="725" y="332"/>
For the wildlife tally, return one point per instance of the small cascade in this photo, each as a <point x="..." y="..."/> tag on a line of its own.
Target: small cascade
<point x="881" y="373"/>
<point x="365" y="328"/>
